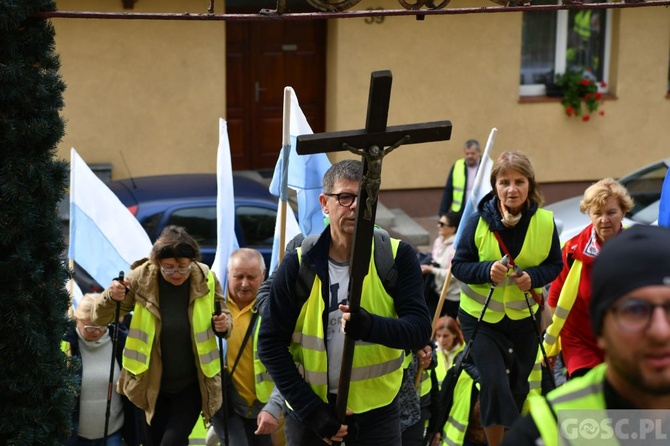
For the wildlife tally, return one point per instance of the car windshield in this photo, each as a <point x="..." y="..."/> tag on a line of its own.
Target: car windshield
<point x="645" y="189"/>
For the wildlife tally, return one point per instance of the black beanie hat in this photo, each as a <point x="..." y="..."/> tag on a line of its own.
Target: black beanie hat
<point x="638" y="257"/>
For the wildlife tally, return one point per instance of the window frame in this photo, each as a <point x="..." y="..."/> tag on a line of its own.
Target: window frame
<point x="560" y="55"/>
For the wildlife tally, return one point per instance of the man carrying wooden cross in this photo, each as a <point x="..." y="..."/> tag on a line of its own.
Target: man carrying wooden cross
<point x="338" y="277"/>
<point x="388" y="322"/>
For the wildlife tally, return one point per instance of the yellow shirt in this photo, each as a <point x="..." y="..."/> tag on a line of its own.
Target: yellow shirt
<point x="244" y="372"/>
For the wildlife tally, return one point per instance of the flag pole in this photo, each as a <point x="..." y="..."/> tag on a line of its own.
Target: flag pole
<point x="283" y="194"/>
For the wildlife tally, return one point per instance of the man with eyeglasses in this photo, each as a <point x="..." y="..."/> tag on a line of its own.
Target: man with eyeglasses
<point x="301" y="339"/>
<point x="630" y="313"/>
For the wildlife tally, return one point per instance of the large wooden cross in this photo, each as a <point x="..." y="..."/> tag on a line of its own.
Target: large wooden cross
<point x="372" y="143"/>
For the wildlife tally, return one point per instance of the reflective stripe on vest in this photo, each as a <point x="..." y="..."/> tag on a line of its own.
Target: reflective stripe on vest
<point x="566" y="300"/>
<point x="582" y="24"/>
<point x="263" y="382"/>
<point x="137" y="353"/>
<point x="508" y="299"/>
<point x="377" y="370"/>
<point x="585" y="393"/>
<point x="458" y="183"/>
<point x="459" y="415"/>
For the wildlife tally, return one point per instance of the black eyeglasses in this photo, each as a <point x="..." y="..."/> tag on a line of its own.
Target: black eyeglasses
<point x="94" y="328"/>
<point x="344" y="200"/>
<point x="635" y="314"/>
<point x="441" y="224"/>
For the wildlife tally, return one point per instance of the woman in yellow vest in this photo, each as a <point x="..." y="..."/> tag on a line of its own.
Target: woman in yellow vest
<point x="449" y="339"/>
<point x="506" y="345"/>
<point x="171" y="365"/>
<point x="606" y="202"/>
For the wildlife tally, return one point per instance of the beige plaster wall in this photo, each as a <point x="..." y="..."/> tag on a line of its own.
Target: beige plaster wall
<point x="150" y="90"/>
<point x="154" y="90"/>
<point x="465" y="68"/>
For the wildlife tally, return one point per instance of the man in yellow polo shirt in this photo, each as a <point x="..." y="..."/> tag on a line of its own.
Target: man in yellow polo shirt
<point x="255" y="412"/>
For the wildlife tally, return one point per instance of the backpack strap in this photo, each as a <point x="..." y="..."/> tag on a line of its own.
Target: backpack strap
<point x="384" y="262"/>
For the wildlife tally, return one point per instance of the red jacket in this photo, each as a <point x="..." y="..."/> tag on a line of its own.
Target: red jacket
<point x="578" y="342"/>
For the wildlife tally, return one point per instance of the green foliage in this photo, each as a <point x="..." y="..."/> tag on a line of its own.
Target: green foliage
<point x="580" y="94"/>
<point x="36" y="383"/>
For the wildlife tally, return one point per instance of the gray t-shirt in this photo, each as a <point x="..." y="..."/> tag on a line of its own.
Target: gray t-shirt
<point x="338" y="274"/>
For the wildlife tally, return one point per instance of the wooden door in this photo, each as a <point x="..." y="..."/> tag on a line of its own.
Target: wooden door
<point x="263" y="58"/>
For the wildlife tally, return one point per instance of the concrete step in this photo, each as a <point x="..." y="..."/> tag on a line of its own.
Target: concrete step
<point x="384" y="218"/>
<point x="408" y="230"/>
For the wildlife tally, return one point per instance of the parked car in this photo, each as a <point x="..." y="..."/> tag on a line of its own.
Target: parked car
<point x="189" y="200"/>
<point x="643" y="184"/>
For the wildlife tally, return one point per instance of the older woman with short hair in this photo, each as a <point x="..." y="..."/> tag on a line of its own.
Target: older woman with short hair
<point x="606" y="203"/>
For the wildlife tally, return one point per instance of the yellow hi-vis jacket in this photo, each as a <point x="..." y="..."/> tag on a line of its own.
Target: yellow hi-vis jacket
<point x="263" y="382"/>
<point x="582" y="24"/>
<point x="566" y="300"/>
<point x="507" y="298"/>
<point x="459" y="415"/>
<point x="582" y="393"/>
<point x="377" y="372"/>
<point x="140" y="340"/>
<point x="458" y="182"/>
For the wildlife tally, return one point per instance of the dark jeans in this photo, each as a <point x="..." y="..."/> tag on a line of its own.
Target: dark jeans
<point x="377" y="427"/>
<point x="174" y="418"/>
<point x="504" y="354"/>
<point x="112" y="440"/>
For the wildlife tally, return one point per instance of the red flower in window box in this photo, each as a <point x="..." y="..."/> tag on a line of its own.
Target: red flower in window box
<point x="580" y="94"/>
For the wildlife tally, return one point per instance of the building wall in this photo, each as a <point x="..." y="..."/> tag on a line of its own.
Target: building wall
<point x="154" y="90"/>
<point x="465" y="68"/>
<point x="149" y="92"/>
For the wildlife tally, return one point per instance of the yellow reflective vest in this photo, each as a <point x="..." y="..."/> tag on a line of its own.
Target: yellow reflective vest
<point x="263" y="382"/>
<point x="507" y="298"/>
<point x="377" y="371"/>
<point x="459" y="415"/>
<point x="139" y="343"/>
<point x="458" y="184"/>
<point x="566" y="300"/>
<point x="578" y="394"/>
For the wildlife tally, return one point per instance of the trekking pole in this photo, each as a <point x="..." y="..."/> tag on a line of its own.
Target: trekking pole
<point x="458" y="367"/>
<point x="224" y="404"/>
<point x="536" y="325"/>
<point x="110" y="383"/>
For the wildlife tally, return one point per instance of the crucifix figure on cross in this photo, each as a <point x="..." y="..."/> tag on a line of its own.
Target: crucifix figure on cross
<point x="373" y="177"/>
<point x="372" y="143"/>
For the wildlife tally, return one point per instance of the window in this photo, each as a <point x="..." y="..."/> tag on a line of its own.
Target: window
<point x="257" y="225"/>
<point x="553" y="41"/>
<point x="200" y="222"/>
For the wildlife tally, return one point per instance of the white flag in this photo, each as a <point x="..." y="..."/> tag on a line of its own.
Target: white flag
<point x="481" y="187"/>
<point x="105" y="238"/>
<point x="226" y="240"/>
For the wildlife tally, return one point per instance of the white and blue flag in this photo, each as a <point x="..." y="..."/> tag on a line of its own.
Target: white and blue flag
<point x="105" y="238"/>
<point x="302" y="173"/>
